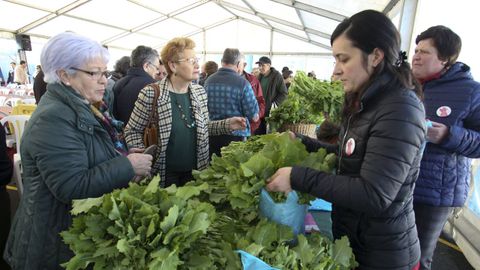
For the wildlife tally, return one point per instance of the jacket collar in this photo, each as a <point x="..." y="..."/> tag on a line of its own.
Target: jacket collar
<point x="457" y="71"/>
<point x="74" y="100"/>
<point x="137" y="71"/>
<point x="377" y="85"/>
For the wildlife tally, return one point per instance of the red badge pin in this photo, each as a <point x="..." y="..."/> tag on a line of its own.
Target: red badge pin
<point x="350" y="147"/>
<point x="444" y="111"/>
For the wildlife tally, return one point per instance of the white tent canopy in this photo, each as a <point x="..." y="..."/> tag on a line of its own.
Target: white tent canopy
<point x="125" y="23"/>
<point x="294" y="33"/>
<point x="277" y="28"/>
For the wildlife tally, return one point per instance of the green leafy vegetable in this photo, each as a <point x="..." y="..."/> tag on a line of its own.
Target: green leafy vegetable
<point x="200" y="225"/>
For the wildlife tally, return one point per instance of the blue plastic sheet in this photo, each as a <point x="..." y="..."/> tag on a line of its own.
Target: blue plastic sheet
<point x="474" y="200"/>
<point x="289" y="213"/>
<point x="320" y="205"/>
<point x="251" y="262"/>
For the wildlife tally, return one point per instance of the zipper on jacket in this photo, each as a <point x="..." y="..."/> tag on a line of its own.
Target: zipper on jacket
<point x="339" y="169"/>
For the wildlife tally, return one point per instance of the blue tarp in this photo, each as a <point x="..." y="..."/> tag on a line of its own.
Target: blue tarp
<point x="474" y="200"/>
<point x="251" y="262"/>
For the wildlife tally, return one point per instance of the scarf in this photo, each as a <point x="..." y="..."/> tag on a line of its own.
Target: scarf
<point x="114" y="127"/>
<point x="432" y="77"/>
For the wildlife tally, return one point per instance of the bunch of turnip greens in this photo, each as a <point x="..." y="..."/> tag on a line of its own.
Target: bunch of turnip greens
<point x="200" y="225"/>
<point x="309" y="101"/>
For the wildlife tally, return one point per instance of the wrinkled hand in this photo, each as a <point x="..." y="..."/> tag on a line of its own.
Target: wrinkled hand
<point x="237" y="123"/>
<point x="135" y="150"/>
<point x="292" y="135"/>
<point x="437" y="133"/>
<point x="280" y="181"/>
<point x="141" y="163"/>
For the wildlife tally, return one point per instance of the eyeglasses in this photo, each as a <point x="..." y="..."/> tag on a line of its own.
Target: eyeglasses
<point x="156" y="67"/>
<point x="96" y="75"/>
<point x="192" y="60"/>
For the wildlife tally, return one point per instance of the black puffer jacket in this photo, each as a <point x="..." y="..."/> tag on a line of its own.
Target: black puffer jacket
<point x="126" y="90"/>
<point x="372" y="191"/>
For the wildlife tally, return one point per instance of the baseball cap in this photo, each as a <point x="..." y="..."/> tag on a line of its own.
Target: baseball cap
<point x="264" y="60"/>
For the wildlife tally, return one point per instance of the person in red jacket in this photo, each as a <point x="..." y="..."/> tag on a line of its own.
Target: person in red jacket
<point x="257" y="90"/>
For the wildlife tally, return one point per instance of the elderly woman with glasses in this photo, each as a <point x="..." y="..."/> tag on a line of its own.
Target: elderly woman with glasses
<point x="71" y="149"/>
<point x="184" y="125"/>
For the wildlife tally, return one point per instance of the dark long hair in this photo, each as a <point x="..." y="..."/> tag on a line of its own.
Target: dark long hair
<point x="367" y="30"/>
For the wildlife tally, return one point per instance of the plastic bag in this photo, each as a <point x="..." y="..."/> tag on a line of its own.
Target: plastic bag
<point x="320" y="205"/>
<point x="251" y="262"/>
<point x="289" y="213"/>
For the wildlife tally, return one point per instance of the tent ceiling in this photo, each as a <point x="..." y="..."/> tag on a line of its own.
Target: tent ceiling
<point x="124" y="24"/>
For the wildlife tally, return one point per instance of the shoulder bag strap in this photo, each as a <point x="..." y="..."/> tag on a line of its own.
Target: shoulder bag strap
<point x="153" y="118"/>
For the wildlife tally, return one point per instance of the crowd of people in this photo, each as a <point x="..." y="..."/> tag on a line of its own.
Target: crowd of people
<point x="396" y="182"/>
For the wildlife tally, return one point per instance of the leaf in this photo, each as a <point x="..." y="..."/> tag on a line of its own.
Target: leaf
<point x="152" y="187"/>
<point x="170" y="219"/>
<point x="79" y="261"/>
<point x="342" y="252"/>
<point x="83" y="206"/>
<point x="304" y="250"/>
<point x="114" y="212"/>
<point x="261" y="166"/>
<point x="254" y="249"/>
<point x="200" y="223"/>
<point x="164" y="259"/>
<point x="151" y="227"/>
<point x="187" y="192"/>
<point x="123" y="247"/>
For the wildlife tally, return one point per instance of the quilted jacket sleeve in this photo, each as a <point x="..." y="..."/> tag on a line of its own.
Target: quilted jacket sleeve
<point x="465" y="140"/>
<point x="392" y="152"/>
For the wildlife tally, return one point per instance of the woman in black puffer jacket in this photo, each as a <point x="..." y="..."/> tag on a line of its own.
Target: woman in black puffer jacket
<point x="379" y="147"/>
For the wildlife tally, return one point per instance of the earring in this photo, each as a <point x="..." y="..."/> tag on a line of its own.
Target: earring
<point x="67" y="83"/>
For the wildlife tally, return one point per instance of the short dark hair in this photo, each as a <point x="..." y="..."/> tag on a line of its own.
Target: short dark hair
<point x="22" y="62"/>
<point x="447" y="42"/>
<point x="328" y="132"/>
<point x="122" y="65"/>
<point x="141" y="55"/>
<point x="370" y="29"/>
<point x="211" y="67"/>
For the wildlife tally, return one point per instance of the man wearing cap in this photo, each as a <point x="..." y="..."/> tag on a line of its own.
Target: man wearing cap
<point x="273" y="87"/>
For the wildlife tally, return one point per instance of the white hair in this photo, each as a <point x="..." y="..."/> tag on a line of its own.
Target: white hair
<point x="67" y="50"/>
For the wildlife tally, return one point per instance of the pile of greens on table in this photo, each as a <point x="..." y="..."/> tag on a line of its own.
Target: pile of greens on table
<point x="309" y="101"/>
<point x="200" y="225"/>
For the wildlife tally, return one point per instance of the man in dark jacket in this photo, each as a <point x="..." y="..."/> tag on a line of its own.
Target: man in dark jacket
<point x="273" y="86"/>
<point x="39" y="86"/>
<point x="6" y="170"/>
<point x="144" y="63"/>
<point x="11" y="73"/>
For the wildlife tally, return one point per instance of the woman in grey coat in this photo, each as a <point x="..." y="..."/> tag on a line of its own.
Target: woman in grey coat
<point x="71" y="149"/>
